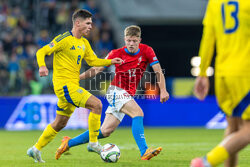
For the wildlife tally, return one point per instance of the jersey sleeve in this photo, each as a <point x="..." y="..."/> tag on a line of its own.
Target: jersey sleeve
<point x="110" y="55"/>
<point x="152" y="59"/>
<point x="55" y="45"/>
<point x="208" y="18"/>
<point x="208" y="40"/>
<point x="92" y="59"/>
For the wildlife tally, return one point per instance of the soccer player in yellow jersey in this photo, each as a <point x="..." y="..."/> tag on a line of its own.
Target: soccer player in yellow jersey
<point x="227" y="23"/>
<point x="69" y="49"/>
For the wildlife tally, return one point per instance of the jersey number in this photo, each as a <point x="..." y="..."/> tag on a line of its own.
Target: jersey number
<point x="234" y="15"/>
<point x="131" y="73"/>
<point x="78" y="59"/>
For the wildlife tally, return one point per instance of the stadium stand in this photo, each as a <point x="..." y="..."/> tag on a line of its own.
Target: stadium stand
<point x="29" y="25"/>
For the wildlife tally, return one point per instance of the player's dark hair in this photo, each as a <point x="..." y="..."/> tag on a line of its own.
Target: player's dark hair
<point x="132" y="30"/>
<point x="81" y="13"/>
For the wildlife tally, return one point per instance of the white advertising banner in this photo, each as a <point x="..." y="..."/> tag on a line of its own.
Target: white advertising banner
<point x="36" y="112"/>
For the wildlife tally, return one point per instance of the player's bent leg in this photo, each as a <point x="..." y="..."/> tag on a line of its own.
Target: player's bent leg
<point x="94" y="121"/>
<point x="93" y="103"/>
<point x="67" y="142"/>
<point x="47" y="136"/>
<point x="60" y="122"/>
<point x="234" y="124"/>
<point x="82" y="139"/>
<point x="231" y="145"/>
<point x="109" y="125"/>
<point x="34" y="152"/>
<point x="238" y="140"/>
<point x="215" y="157"/>
<point x="132" y="109"/>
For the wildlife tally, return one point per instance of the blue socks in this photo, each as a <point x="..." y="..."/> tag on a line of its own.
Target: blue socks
<point x="82" y="139"/>
<point x="138" y="133"/>
<point x="137" y="130"/>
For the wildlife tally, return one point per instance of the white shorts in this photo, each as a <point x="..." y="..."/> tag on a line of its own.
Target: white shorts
<point x="116" y="98"/>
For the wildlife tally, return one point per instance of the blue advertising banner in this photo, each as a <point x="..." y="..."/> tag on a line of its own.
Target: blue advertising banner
<point x="35" y="112"/>
<point x="177" y="112"/>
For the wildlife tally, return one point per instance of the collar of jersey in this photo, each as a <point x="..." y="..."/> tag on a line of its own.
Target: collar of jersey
<point x="73" y="35"/>
<point x="126" y="50"/>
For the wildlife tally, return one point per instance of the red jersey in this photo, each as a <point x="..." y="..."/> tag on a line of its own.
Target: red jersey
<point x="129" y="73"/>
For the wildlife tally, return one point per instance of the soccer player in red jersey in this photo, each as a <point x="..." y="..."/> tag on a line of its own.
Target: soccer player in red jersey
<point x="136" y="57"/>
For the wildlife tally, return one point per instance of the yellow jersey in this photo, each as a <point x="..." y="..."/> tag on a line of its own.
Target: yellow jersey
<point x="68" y="54"/>
<point x="226" y="23"/>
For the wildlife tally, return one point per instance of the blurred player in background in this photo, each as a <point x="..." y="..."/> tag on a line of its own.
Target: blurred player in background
<point x="227" y="22"/>
<point x="135" y="57"/>
<point x="69" y="49"/>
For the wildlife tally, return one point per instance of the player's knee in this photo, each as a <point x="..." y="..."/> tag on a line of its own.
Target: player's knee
<point x="98" y="107"/>
<point x="107" y="132"/>
<point x="230" y="130"/>
<point x="139" y="113"/>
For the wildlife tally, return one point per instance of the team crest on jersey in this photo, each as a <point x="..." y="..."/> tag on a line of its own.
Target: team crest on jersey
<point x="139" y="60"/>
<point x="123" y="61"/>
<point x="83" y="47"/>
<point x="51" y="44"/>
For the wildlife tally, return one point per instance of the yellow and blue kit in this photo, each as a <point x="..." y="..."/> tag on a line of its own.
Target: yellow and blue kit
<point x="227" y="26"/>
<point x="68" y="54"/>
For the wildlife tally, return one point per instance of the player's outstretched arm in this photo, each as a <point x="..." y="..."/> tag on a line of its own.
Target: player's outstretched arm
<point x="116" y="61"/>
<point x="91" y="72"/>
<point x="164" y="95"/>
<point x="93" y="60"/>
<point x="201" y="87"/>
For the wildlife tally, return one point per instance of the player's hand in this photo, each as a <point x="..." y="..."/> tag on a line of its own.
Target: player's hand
<point x="43" y="71"/>
<point x="164" y="96"/>
<point x="116" y="61"/>
<point x="201" y="87"/>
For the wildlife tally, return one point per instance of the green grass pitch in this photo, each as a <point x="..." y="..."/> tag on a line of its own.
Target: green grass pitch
<point x="179" y="147"/>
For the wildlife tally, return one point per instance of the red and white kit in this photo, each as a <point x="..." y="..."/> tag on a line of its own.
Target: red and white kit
<point x="127" y="76"/>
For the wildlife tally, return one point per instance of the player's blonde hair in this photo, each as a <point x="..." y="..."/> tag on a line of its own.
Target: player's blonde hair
<point x="132" y="30"/>
<point x="81" y="13"/>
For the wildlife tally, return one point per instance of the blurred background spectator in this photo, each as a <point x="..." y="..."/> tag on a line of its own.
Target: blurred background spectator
<point x="29" y="25"/>
<point x="172" y="28"/>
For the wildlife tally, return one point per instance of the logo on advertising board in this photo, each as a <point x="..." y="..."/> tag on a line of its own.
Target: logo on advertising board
<point x="217" y="122"/>
<point x="36" y="112"/>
